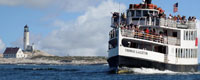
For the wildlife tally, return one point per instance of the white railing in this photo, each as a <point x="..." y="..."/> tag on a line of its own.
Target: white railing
<point x="165" y="22"/>
<point x="140" y="35"/>
<point x="150" y="37"/>
<point x="177" y="24"/>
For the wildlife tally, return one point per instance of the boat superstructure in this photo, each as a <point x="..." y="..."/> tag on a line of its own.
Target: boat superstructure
<point x="145" y="37"/>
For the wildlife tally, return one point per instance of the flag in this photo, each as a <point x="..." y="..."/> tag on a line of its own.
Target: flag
<point x="175" y="7"/>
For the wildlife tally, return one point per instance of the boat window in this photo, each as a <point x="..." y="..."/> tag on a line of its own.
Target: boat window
<point x="186" y="53"/>
<point x="189" y="35"/>
<point x="174" y="34"/>
<point x="193" y="53"/>
<point x="133" y="13"/>
<point x="145" y="13"/>
<point x="178" y="53"/>
<point x="190" y="53"/>
<point x="138" y="13"/>
<point x="192" y="35"/>
<point x="181" y="53"/>
<point x="186" y="35"/>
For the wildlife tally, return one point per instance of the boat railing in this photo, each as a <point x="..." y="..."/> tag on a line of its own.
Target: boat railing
<point x="150" y="37"/>
<point x="166" y="22"/>
<point x="141" y="35"/>
<point x="191" y="24"/>
<point x="177" y="23"/>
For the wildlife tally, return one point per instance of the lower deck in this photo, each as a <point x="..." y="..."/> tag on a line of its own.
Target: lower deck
<point x="143" y="49"/>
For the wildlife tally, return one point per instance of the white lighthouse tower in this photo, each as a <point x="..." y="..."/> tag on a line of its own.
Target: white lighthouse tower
<point x="26" y="37"/>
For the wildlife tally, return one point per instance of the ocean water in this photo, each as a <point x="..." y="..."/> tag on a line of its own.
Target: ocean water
<point x="86" y="72"/>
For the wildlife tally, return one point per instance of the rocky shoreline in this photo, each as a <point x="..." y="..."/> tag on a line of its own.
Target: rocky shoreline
<point x="55" y="60"/>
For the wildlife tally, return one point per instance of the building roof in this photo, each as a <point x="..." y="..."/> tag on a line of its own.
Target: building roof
<point x="26" y="26"/>
<point x="11" y="50"/>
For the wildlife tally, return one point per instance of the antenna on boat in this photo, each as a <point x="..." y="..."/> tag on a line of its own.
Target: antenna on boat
<point x="119" y="14"/>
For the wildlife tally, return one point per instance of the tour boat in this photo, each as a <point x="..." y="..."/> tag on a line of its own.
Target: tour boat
<point x="144" y="37"/>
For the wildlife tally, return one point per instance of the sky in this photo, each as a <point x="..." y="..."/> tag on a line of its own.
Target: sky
<point x="70" y="27"/>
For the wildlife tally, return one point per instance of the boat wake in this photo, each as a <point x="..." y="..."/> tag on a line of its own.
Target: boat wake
<point x="156" y="71"/>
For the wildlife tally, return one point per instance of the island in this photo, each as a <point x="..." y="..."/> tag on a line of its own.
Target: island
<point x="43" y="58"/>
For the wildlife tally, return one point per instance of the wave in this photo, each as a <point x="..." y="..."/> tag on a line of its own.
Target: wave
<point x="156" y="71"/>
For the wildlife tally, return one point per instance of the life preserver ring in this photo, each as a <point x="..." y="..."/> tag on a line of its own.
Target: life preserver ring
<point x="155" y="6"/>
<point x="136" y="6"/>
<point x="159" y="9"/>
<point x="150" y="6"/>
<point x="140" y="6"/>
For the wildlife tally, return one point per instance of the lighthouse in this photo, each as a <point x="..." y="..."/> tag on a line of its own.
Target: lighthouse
<point x="26" y="37"/>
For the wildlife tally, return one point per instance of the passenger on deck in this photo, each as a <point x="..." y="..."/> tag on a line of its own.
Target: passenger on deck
<point x="154" y="31"/>
<point x="178" y="18"/>
<point x="175" y="18"/>
<point x="194" y="18"/>
<point x="151" y="31"/>
<point x="147" y="31"/>
<point x="189" y="19"/>
<point x="183" y="20"/>
<point x="137" y="29"/>
<point x="143" y="31"/>
<point x="170" y="16"/>
<point x="126" y="27"/>
<point x="133" y="31"/>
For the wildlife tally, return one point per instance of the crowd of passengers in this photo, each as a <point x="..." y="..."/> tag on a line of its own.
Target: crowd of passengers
<point x="178" y="18"/>
<point x="147" y="33"/>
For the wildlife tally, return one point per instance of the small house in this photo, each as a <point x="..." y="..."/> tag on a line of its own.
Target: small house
<point x="14" y="53"/>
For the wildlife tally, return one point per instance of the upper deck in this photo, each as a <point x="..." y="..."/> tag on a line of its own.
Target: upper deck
<point x="148" y="22"/>
<point x="151" y="16"/>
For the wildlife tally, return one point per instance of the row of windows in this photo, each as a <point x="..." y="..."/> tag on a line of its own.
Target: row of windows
<point x="186" y="53"/>
<point x="190" y="35"/>
<point x="9" y="55"/>
<point x="138" y="13"/>
<point x="13" y="55"/>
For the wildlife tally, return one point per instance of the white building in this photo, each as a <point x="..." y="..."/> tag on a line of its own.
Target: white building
<point x="14" y="53"/>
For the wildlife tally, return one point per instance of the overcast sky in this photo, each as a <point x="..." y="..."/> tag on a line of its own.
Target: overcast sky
<point x="70" y="27"/>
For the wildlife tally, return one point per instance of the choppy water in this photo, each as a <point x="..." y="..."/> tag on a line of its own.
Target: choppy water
<point x="86" y="72"/>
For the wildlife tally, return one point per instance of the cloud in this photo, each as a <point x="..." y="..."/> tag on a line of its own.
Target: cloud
<point x="66" y="5"/>
<point x="28" y="3"/>
<point x="87" y="36"/>
<point x="2" y="46"/>
<point x="33" y="38"/>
